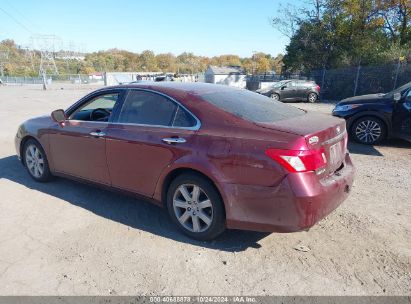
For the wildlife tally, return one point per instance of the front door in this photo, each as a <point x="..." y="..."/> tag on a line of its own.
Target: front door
<point x="151" y="131"/>
<point x="289" y="91"/>
<point x="77" y="147"/>
<point x="401" y="119"/>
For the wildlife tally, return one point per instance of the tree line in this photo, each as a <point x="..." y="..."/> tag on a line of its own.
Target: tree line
<point x="339" y="33"/>
<point x="21" y="62"/>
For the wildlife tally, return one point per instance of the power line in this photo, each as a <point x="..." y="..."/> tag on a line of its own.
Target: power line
<point x="15" y="20"/>
<point x="27" y="20"/>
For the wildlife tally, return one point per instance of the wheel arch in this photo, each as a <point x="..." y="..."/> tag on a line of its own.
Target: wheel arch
<point x="376" y="114"/>
<point x="23" y="143"/>
<point x="276" y="93"/>
<point x="312" y="92"/>
<point x="165" y="182"/>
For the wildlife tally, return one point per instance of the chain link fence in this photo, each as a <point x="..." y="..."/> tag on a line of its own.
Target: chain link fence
<point x="67" y="78"/>
<point x="337" y="84"/>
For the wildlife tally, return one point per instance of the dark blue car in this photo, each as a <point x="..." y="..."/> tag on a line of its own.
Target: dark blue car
<point x="373" y="118"/>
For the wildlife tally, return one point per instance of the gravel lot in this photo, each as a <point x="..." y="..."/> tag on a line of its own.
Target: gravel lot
<point x="65" y="238"/>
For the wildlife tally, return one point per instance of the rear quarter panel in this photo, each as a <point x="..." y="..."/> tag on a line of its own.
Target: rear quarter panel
<point x="235" y="157"/>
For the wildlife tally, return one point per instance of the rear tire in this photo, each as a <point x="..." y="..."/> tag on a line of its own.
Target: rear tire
<point x="368" y="130"/>
<point x="35" y="161"/>
<point x="312" y="97"/>
<point x="196" y="207"/>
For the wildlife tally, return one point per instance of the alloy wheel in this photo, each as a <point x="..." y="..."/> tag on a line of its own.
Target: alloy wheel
<point x="193" y="208"/>
<point x="368" y="131"/>
<point x="312" y="97"/>
<point x="275" y="97"/>
<point x="34" y="161"/>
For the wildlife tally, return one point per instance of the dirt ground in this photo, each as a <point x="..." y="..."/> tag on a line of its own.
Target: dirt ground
<point x="65" y="238"/>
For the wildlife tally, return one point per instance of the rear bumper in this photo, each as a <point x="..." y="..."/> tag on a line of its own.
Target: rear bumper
<point x="297" y="203"/>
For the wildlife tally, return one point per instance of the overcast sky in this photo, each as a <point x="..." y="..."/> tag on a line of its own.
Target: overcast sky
<point x="205" y="27"/>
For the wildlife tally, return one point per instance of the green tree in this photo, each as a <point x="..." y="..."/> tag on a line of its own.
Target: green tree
<point x="166" y="62"/>
<point x="335" y="33"/>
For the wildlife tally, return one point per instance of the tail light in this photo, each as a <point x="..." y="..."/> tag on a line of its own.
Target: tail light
<point x="299" y="160"/>
<point x="317" y="87"/>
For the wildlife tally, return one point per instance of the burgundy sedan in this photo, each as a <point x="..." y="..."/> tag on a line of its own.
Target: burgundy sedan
<point x="216" y="157"/>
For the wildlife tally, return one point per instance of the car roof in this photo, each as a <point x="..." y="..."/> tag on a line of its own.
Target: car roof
<point x="195" y="88"/>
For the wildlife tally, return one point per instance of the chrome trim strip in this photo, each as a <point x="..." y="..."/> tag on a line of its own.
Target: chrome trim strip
<point x="196" y="127"/>
<point x="335" y="139"/>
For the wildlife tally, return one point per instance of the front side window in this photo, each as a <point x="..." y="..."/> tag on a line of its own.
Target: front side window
<point x="280" y="84"/>
<point x="97" y="109"/>
<point x="148" y="108"/>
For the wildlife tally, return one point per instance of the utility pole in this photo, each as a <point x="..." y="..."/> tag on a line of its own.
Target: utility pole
<point x="44" y="78"/>
<point x="357" y="79"/>
<point x="4" y="58"/>
<point x="396" y="73"/>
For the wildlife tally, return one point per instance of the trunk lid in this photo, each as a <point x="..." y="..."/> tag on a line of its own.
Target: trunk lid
<point x="319" y="131"/>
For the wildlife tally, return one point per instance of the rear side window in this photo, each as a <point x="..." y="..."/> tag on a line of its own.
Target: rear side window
<point x="251" y="106"/>
<point x="147" y="108"/>
<point x="141" y="107"/>
<point x="183" y="119"/>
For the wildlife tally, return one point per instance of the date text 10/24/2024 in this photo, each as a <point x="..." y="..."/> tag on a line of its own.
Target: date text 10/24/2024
<point x="203" y="299"/>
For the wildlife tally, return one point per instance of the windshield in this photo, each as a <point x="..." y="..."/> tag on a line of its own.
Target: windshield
<point x="401" y="89"/>
<point x="280" y="83"/>
<point x="251" y="106"/>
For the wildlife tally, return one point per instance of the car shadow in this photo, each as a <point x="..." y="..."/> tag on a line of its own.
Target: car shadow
<point x="130" y="211"/>
<point x="356" y="148"/>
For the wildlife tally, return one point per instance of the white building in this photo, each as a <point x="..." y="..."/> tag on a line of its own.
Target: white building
<point x="228" y="75"/>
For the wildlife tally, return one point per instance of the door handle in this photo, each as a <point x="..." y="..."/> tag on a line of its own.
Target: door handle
<point x="97" y="133"/>
<point x="174" y="140"/>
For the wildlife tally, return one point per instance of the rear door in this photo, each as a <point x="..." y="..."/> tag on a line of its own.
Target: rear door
<point x="301" y="87"/>
<point x="150" y="132"/>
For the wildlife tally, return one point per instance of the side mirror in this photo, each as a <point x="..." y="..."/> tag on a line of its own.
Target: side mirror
<point x="397" y="96"/>
<point x="58" y="116"/>
<point x="283" y="87"/>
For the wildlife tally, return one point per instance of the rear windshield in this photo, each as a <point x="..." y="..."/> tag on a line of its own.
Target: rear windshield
<point x="251" y="106"/>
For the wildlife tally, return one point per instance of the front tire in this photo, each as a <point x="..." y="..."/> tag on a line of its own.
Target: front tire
<point x="275" y="96"/>
<point x="35" y="161"/>
<point x="195" y="206"/>
<point x="368" y="130"/>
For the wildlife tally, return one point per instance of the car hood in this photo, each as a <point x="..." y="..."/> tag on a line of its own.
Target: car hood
<point x="369" y="98"/>
<point x="40" y="119"/>
<point x="265" y="90"/>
